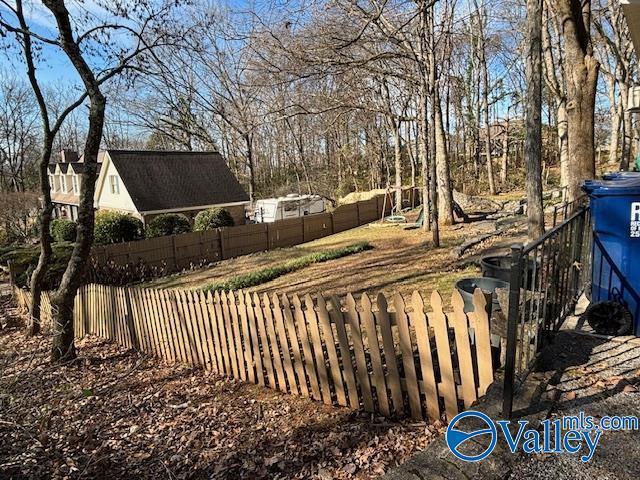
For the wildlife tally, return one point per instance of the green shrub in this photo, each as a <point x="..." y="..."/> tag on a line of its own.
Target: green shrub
<point x="265" y="275"/>
<point x="168" y="224"/>
<point x="63" y="230"/>
<point x="213" y="218"/>
<point x="26" y="259"/>
<point x="116" y="227"/>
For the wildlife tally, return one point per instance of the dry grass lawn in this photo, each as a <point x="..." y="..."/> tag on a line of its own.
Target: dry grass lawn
<point x="402" y="260"/>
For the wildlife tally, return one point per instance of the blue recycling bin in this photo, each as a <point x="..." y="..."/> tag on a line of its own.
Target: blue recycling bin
<point x="615" y="214"/>
<point x="620" y="175"/>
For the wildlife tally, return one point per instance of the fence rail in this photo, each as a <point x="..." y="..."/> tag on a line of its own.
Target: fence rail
<point x="376" y="355"/>
<point x="177" y="252"/>
<point x="547" y="278"/>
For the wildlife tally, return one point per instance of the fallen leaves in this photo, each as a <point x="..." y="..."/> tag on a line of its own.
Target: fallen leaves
<point x="120" y="415"/>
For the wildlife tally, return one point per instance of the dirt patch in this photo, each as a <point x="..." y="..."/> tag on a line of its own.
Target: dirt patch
<point x="118" y="414"/>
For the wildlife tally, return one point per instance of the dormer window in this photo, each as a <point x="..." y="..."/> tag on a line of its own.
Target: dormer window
<point x="76" y="188"/>
<point x="114" y="184"/>
<point x="52" y="184"/>
<point x="63" y="184"/>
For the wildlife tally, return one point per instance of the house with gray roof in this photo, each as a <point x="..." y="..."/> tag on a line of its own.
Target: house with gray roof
<point x="146" y="183"/>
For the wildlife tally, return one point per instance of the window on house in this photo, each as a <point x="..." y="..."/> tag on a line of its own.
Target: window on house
<point x="52" y="183"/>
<point x="63" y="184"/>
<point x="76" y="188"/>
<point x="114" y="183"/>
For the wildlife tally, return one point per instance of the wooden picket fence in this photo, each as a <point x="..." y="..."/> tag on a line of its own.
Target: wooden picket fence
<point x="363" y="354"/>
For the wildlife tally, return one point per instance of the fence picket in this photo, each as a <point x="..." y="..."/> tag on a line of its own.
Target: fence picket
<point x="295" y="345"/>
<point x="438" y="321"/>
<point x="266" y="352"/>
<point x="244" y="324"/>
<point x="231" y="345"/>
<point x="160" y="320"/>
<point x="187" y="335"/>
<point x="406" y="348"/>
<point x="208" y="332"/>
<point x="151" y="324"/>
<point x="222" y="331"/>
<point x="327" y="334"/>
<point x="213" y="317"/>
<point x="202" y="330"/>
<point x="237" y="338"/>
<point x="170" y="326"/>
<point x="181" y="347"/>
<point x="275" y="349"/>
<point x="362" y="373"/>
<point x="255" y="339"/>
<point x="463" y="349"/>
<point x="389" y="349"/>
<point x="419" y="322"/>
<point x="483" y="343"/>
<point x="195" y="329"/>
<point x="284" y="343"/>
<point x="345" y="352"/>
<point x="135" y="317"/>
<point x="374" y="353"/>
<point x="309" y="365"/>
<point x="141" y="322"/>
<point x="321" y="366"/>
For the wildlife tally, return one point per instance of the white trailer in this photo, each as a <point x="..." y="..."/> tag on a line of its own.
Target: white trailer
<point x="292" y="206"/>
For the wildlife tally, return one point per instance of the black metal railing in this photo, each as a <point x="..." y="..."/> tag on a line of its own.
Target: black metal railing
<point x="547" y="278"/>
<point x="564" y="210"/>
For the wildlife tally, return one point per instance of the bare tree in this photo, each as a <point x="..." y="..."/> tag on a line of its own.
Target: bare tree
<point x="582" y="70"/>
<point x="18" y="136"/>
<point x="533" y="131"/>
<point x="95" y="41"/>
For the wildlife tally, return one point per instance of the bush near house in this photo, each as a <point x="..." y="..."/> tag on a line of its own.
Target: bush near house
<point x="265" y="275"/>
<point x="63" y="230"/>
<point x="116" y="227"/>
<point x="213" y="218"/>
<point x="168" y="224"/>
<point x="26" y="258"/>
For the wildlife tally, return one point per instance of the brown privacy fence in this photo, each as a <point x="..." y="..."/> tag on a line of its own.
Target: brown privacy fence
<point x="393" y="359"/>
<point x="177" y="252"/>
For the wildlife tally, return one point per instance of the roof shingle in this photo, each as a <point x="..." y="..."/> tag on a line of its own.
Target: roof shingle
<point x="160" y="180"/>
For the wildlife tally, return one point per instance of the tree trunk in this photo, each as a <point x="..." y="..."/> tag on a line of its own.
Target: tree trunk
<point x="63" y="347"/>
<point x="533" y="125"/>
<point x="433" y="85"/>
<point x="250" y="164"/>
<point x="582" y="78"/>
<point x="445" y="197"/>
<point x="614" y="139"/>
<point x="424" y="158"/>
<point x="46" y="213"/>
<point x="485" y="100"/>
<point x="505" y="152"/>
<point x="563" y="141"/>
<point x="397" y="151"/>
<point x="627" y="127"/>
<point x="38" y="275"/>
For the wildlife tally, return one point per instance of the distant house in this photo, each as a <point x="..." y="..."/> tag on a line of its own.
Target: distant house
<point x="146" y="184"/>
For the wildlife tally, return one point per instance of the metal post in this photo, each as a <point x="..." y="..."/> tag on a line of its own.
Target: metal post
<point x="512" y="329"/>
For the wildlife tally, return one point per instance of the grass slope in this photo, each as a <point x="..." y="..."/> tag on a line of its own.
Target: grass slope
<point x="265" y="275"/>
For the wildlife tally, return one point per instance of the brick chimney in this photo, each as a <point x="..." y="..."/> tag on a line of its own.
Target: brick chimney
<point x="68" y="156"/>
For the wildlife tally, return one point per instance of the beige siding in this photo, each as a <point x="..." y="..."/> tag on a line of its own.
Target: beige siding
<point x="114" y="201"/>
